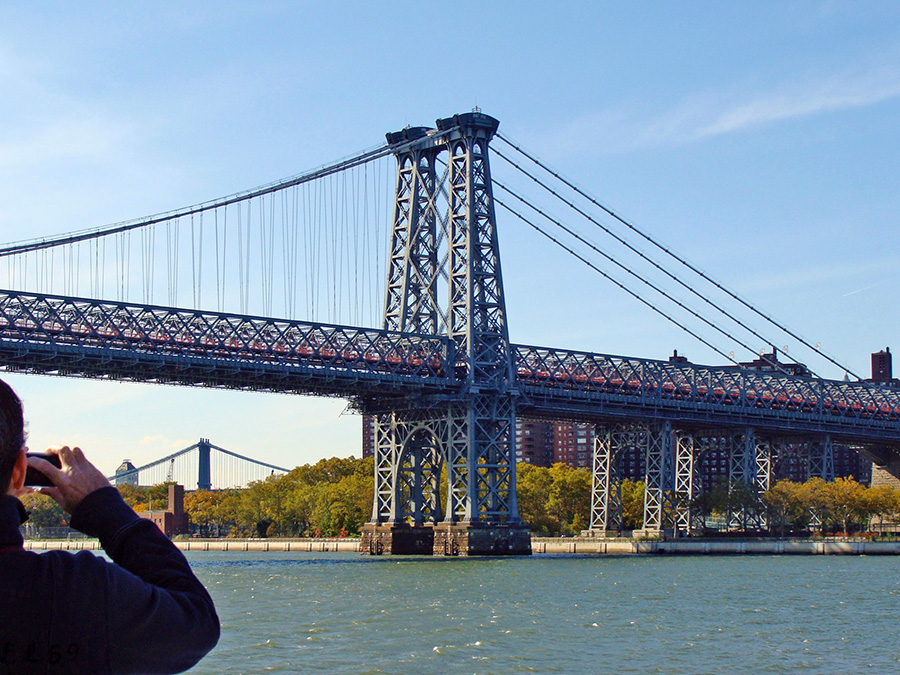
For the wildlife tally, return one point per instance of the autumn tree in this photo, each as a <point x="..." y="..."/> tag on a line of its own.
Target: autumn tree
<point x="44" y="511"/>
<point x="785" y="507"/>
<point x="846" y="503"/>
<point x="882" y="501"/>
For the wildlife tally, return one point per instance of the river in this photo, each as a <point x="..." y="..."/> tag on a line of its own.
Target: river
<point x="345" y="613"/>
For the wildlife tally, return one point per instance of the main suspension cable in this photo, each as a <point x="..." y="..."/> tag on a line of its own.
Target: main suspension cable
<point x="639" y="253"/>
<point x="623" y="267"/>
<point x="625" y="288"/>
<point x="362" y="158"/>
<point x="676" y="257"/>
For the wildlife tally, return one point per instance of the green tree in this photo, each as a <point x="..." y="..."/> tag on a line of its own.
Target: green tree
<point x="343" y="506"/>
<point x="570" y="497"/>
<point x="632" y="494"/>
<point x="44" y="511"/>
<point x="532" y="494"/>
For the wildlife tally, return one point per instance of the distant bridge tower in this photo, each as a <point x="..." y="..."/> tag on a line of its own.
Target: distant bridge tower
<point x="444" y="240"/>
<point x="204" y="473"/>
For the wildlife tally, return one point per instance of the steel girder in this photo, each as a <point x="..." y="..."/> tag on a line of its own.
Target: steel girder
<point x="480" y="416"/>
<point x="659" y="478"/>
<point x="411" y="302"/>
<point x="685" y="484"/>
<point x="408" y="461"/>
<point x="586" y="384"/>
<point x="610" y="444"/>
<point x="44" y="333"/>
<point x="749" y="475"/>
<point x="95" y="338"/>
<point x="820" y="458"/>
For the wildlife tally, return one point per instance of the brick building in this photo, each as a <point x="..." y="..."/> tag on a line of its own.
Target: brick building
<point x="534" y="441"/>
<point x="173" y="520"/>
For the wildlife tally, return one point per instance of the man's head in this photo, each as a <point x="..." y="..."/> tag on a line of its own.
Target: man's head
<point x="12" y="433"/>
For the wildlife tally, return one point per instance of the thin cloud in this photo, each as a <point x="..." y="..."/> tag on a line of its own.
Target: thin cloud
<point x="846" y="90"/>
<point x="816" y="275"/>
<point x="706" y="114"/>
<point x="862" y="290"/>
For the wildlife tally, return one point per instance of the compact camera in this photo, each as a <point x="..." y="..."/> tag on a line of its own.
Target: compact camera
<point x="33" y="477"/>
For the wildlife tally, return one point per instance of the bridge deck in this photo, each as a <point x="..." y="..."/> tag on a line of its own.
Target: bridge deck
<point x="80" y="337"/>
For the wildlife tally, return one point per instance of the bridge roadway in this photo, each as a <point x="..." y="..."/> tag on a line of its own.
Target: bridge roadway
<point x="380" y="369"/>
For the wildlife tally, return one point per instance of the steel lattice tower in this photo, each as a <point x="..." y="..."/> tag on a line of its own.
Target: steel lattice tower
<point x="444" y="241"/>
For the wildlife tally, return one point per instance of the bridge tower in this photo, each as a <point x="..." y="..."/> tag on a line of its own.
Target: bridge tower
<point x="204" y="473"/>
<point x="444" y="246"/>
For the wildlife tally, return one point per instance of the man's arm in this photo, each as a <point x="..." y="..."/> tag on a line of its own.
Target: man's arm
<point x="161" y="619"/>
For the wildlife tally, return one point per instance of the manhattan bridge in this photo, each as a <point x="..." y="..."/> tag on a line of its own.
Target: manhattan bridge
<point x="377" y="279"/>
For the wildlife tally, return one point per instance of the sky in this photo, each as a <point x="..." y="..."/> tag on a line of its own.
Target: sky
<point x="759" y="140"/>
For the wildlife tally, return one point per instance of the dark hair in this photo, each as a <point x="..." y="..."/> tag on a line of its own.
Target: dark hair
<point x="12" y="432"/>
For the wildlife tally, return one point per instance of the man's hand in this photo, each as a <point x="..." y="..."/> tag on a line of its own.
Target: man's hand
<point x="74" y="481"/>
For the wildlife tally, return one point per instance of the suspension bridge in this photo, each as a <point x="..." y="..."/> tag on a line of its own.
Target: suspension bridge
<point x="419" y="338"/>
<point x="201" y="465"/>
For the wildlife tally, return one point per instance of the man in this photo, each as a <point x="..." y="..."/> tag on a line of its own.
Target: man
<point x="144" y="612"/>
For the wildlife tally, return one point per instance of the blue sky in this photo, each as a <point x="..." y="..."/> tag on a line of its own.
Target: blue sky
<point x="757" y="139"/>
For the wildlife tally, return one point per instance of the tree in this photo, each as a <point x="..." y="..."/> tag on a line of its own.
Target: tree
<point x="570" y="497"/>
<point x="343" y="506"/>
<point x="44" y="511"/>
<point x="882" y="501"/>
<point x="846" y="502"/>
<point x="532" y="494"/>
<point x="815" y="499"/>
<point x="632" y="493"/>
<point x="785" y="507"/>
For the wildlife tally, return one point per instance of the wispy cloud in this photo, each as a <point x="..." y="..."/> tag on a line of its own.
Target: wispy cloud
<point x="851" y="89"/>
<point x="705" y="114"/>
<point x="849" y="273"/>
<point x="862" y="290"/>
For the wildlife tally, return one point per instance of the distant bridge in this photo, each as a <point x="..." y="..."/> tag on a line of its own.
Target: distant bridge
<point x="201" y="465"/>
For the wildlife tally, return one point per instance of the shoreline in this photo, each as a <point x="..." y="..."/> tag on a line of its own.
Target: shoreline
<point x="539" y="545"/>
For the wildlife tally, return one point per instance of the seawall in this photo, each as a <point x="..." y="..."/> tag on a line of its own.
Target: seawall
<point x="539" y="545"/>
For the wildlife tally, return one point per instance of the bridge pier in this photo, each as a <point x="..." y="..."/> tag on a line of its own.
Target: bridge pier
<point x="465" y="539"/>
<point x="397" y="539"/>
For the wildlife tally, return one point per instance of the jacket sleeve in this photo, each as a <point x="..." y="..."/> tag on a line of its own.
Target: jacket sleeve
<point x="161" y="618"/>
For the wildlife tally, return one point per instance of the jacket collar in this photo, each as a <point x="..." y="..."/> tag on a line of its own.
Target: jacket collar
<point x="12" y="514"/>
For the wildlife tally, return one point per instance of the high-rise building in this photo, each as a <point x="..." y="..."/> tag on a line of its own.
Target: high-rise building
<point x="882" y="369"/>
<point x="534" y="441"/>
<point x="573" y="443"/>
<point x="368" y="436"/>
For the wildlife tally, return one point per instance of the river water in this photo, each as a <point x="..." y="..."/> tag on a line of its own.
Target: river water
<point x="344" y="613"/>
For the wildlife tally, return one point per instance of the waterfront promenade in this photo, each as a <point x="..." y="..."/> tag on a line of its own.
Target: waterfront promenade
<point x="539" y="545"/>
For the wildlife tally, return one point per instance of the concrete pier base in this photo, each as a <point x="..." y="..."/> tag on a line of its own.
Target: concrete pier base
<point x="464" y="539"/>
<point x="396" y="539"/>
<point x="604" y="534"/>
<point x="653" y="534"/>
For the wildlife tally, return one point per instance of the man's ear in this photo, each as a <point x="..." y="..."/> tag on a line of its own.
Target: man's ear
<point x="18" y="473"/>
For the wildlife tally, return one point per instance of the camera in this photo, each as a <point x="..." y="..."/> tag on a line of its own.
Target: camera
<point x="35" y="478"/>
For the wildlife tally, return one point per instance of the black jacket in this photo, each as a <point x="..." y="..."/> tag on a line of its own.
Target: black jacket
<point x="62" y="613"/>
